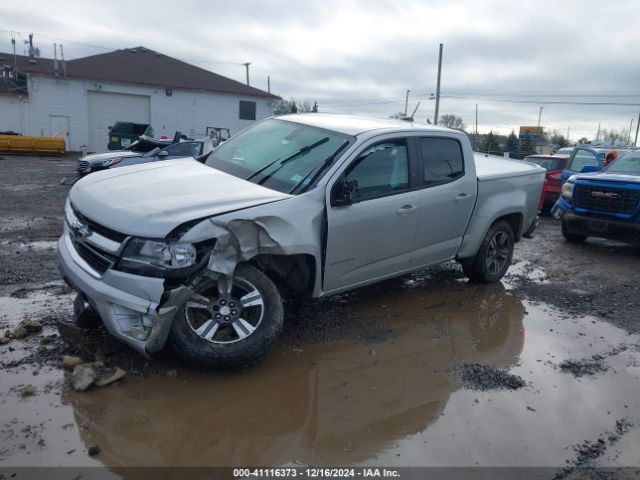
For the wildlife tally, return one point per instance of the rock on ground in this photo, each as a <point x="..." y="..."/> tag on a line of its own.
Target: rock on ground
<point x="94" y="373"/>
<point x="82" y="377"/>
<point x="69" y="362"/>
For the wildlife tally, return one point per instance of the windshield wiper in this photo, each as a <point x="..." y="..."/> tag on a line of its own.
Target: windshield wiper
<point x="322" y="166"/>
<point x="284" y="160"/>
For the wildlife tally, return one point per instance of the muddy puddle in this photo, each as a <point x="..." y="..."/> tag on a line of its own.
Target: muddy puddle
<point x="415" y="396"/>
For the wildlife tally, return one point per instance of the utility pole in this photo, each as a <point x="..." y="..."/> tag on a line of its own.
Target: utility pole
<point x="435" y="118"/>
<point x="539" y="132"/>
<point x="247" y="67"/>
<point x="268" y="83"/>
<point x="630" y="127"/>
<point x="539" y="117"/>
<point x="15" y="59"/>
<point x="476" y="139"/>
<point x="598" y="134"/>
<point x="406" y="103"/>
<point x="635" y="142"/>
<point x="568" y="130"/>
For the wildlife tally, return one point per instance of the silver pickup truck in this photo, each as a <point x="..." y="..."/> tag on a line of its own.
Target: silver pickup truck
<point x="202" y="256"/>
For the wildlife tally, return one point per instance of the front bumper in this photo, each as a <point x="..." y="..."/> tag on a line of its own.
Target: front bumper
<point x="129" y="305"/>
<point x="624" y="231"/>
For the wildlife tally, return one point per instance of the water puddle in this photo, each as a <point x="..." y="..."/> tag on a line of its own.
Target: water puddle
<point x="396" y="401"/>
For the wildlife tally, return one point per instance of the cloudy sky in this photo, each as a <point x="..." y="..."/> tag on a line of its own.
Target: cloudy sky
<point x="578" y="59"/>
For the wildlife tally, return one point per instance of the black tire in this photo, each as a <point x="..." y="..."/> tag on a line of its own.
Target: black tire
<point x="571" y="237"/>
<point x="494" y="256"/>
<point x="222" y="352"/>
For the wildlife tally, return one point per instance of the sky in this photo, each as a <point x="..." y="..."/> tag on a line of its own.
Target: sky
<point x="577" y="59"/>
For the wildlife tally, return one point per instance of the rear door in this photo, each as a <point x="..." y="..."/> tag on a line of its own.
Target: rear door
<point x="581" y="157"/>
<point x="373" y="236"/>
<point x="446" y="199"/>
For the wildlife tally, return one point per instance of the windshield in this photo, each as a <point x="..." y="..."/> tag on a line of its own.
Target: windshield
<point x="628" y="164"/>
<point x="548" y="163"/>
<point x="281" y="155"/>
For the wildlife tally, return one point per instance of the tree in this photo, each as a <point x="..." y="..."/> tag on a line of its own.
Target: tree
<point x="283" y="107"/>
<point x="513" y="144"/>
<point x="452" y="121"/>
<point x="558" y="139"/>
<point x="527" y="146"/>
<point x="490" y="144"/>
<point x="613" y="136"/>
<point x="292" y="106"/>
<point x="583" y="140"/>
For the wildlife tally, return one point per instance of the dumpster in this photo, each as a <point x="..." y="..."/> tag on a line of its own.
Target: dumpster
<point x="123" y="134"/>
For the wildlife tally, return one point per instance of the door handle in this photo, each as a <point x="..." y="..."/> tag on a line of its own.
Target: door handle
<point x="407" y="209"/>
<point x="463" y="197"/>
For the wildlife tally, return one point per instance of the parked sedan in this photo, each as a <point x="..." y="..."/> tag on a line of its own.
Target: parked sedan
<point x="102" y="161"/>
<point x="554" y="165"/>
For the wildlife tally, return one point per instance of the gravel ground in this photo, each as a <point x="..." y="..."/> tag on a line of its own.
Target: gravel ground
<point x="432" y="338"/>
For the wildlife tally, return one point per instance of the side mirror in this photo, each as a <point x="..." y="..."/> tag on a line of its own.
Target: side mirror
<point x="343" y="192"/>
<point x="163" y="154"/>
<point x="588" y="169"/>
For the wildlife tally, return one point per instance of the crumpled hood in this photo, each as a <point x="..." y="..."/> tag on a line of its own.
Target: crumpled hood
<point x="100" y="157"/>
<point x="150" y="200"/>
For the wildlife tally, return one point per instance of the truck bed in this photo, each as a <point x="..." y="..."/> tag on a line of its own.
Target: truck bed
<point x="489" y="167"/>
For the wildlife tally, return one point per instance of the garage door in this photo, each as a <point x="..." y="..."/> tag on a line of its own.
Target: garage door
<point x="105" y="109"/>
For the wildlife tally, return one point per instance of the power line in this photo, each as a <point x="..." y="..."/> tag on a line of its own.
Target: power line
<point x="535" y="95"/>
<point x="546" y="102"/>
<point x="100" y="47"/>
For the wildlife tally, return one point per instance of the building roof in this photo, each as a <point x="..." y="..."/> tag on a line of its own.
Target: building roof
<point x="139" y="66"/>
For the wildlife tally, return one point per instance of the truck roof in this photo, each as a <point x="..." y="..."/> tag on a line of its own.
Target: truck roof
<point x="355" y="125"/>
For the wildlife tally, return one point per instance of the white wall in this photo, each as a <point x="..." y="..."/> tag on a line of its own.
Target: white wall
<point x="189" y="112"/>
<point x="11" y="113"/>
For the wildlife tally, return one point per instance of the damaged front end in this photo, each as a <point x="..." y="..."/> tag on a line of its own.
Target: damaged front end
<point x="138" y="286"/>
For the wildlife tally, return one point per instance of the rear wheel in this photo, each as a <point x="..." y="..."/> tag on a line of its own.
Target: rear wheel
<point x="571" y="237"/>
<point x="229" y="323"/>
<point x="494" y="256"/>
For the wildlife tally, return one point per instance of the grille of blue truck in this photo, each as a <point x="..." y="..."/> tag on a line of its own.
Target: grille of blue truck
<point x="605" y="199"/>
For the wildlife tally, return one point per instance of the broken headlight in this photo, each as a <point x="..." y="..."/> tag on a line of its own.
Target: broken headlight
<point x="158" y="253"/>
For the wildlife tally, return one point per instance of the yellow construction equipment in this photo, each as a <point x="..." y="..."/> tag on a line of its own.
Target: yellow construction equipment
<point x="37" y="145"/>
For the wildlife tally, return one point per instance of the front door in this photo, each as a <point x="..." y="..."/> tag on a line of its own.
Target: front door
<point x="59" y="127"/>
<point x="373" y="236"/>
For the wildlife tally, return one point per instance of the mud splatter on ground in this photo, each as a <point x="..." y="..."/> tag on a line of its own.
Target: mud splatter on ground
<point x="587" y="366"/>
<point x="589" y="452"/>
<point x="483" y="378"/>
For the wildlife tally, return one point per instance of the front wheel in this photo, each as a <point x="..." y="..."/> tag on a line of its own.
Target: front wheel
<point x="494" y="256"/>
<point x="228" y="323"/>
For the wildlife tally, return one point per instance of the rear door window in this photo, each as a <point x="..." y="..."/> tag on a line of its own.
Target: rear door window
<point x="442" y="160"/>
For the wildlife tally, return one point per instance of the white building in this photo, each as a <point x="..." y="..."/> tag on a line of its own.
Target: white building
<point x="85" y="96"/>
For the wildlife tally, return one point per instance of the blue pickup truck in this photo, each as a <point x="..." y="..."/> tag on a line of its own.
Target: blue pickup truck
<point x="602" y="204"/>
